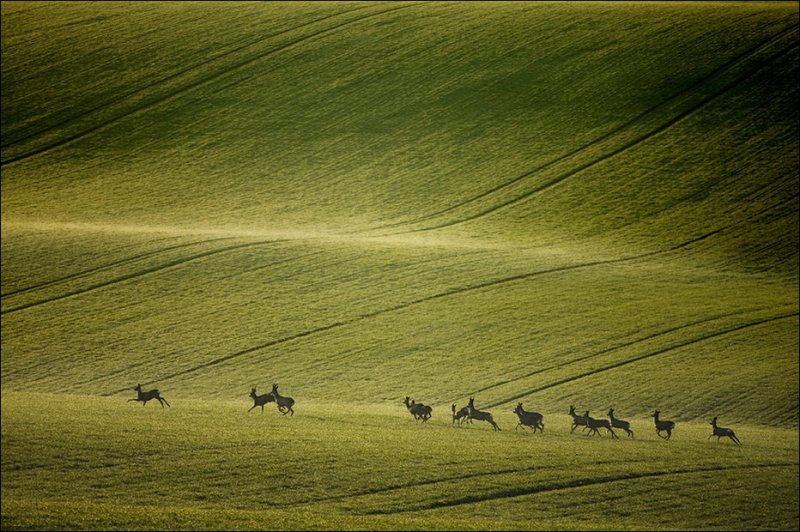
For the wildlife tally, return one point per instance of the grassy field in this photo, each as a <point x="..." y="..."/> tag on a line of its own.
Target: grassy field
<point x="590" y="204"/>
<point x="205" y="464"/>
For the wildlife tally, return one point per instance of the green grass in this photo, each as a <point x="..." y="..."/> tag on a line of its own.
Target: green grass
<point x="83" y="462"/>
<point x="590" y="204"/>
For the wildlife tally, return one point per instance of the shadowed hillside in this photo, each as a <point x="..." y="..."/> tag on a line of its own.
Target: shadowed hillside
<point x="555" y="203"/>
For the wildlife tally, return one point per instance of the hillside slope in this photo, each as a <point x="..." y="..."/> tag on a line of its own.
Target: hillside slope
<point x="592" y="204"/>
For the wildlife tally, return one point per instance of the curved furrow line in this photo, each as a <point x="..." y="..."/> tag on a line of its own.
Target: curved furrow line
<point x="617" y="347"/>
<point x="569" y="173"/>
<point x="48" y="362"/>
<point x="609" y="135"/>
<point x="343" y="323"/>
<point x="171" y="77"/>
<point x="402" y="306"/>
<point x="193" y="85"/>
<point x="628" y="145"/>
<point x="133" y="275"/>
<point x="578" y="483"/>
<point x="441" y="480"/>
<point x="108" y="266"/>
<point x="661" y="351"/>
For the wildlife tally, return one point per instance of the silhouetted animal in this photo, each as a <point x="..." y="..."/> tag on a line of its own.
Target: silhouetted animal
<point x="261" y="400"/>
<point x="719" y="432"/>
<point x="284" y="403"/>
<point x="479" y="415"/>
<point x="663" y="426"/>
<point x="421" y="412"/>
<point x="577" y="421"/>
<point x="620" y="424"/>
<point x="460" y="416"/>
<point x="595" y="424"/>
<point x="534" y="420"/>
<point x="146" y="396"/>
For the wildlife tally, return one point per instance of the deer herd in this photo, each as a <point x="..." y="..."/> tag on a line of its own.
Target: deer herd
<point x="466" y="414"/>
<point x="535" y="420"/>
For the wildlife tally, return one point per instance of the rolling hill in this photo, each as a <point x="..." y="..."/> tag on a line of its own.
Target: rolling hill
<point x="549" y="203"/>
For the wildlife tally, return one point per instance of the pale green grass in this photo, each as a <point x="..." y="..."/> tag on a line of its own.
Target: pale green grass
<point x="76" y="461"/>
<point x="369" y="322"/>
<point x="590" y="204"/>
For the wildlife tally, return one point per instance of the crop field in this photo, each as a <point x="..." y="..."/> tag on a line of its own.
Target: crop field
<point x="590" y="204"/>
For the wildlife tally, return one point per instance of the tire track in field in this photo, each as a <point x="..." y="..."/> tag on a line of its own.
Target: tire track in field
<point x="609" y="136"/>
<point x="361" y="317"/>
<point x="620" y="346"/>
<point x="171" y="77"/>
<point x="140" y="273"/>
<point x="626" y="146"/>
<point x="577" y="483"/>
<point x="403" y="306"/>
<point x="197" y="83"/>
<point x="441" y="480"/>
<point x="657" y="352"/>
<point x="108" y="266"/>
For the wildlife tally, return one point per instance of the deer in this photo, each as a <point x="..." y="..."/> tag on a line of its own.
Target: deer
<point x="595" y="424"/>
<point x="620" y="424"/>
<point x="261" y="400"/>
<point x="460" y="416"/>
<point x="534" y="420"/>
<point x="418" y="410"/>
<point x="719" y="432"/>
<point x="479" y="415"/>
<point x="146" y="396"/>
<point x="284" y="403"/>
<point x="663" y="426"/>
<point x="577" y="421"/>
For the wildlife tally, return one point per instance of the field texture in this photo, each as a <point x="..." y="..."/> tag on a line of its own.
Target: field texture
<point x="591" y="204"/>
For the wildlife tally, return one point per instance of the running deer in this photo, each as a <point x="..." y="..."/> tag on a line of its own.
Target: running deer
<point x="418" y="410"/>
<point x="146" y="396"/>
<point x="595" y="424"/>
<point x="479" y="415"/>
<point x="577" y="421"/>
<point x="663" y="426"/>
<point x="284" y="403"/>
<point x="461" y="415"/>
<point x="534" y="420"/>
<point x="260" y="400"/>
<point x="620" y="424"/>
<point x="719" y="432"/>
